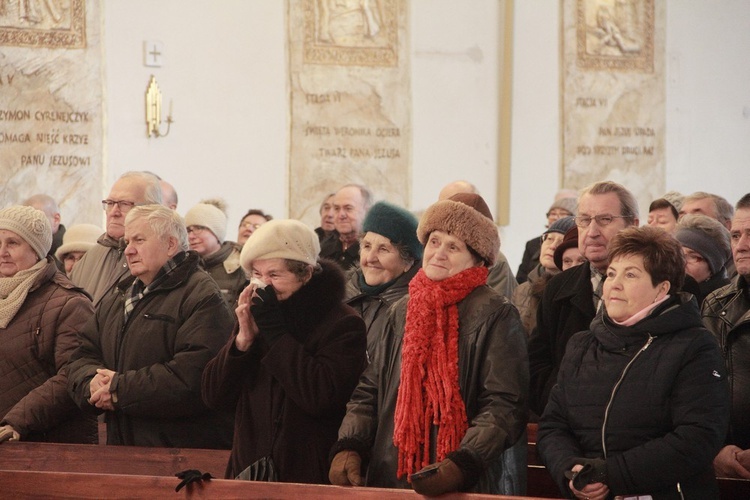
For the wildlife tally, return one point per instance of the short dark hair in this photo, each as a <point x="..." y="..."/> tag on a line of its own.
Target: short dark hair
<point x="664" y="203"/>
<point x="256" y="211"/>
<point x="744" y="202"/>
<point x="661" y="253"/>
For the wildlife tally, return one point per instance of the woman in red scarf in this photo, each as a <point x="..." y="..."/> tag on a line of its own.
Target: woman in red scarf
<point x="446" y="391"/>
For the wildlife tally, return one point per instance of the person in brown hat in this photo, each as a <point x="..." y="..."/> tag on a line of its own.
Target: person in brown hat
<point x="422" y="412"/>
<point x="567" y="253"/>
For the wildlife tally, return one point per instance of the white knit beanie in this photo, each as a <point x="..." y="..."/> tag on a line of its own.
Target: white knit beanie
<point x="210" y="216"/>
<point x="31" y="225"/>
<point x="79" y="238"/>
<point x="281" y="239"/>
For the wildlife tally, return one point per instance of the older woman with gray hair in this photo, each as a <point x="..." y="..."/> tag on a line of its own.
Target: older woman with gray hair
<point x="445" y="397"/>
<point x="41" y="314"/>
<point x="706" y="247"/>
<point x="389" y="256"/>
<point x="293" y="361"/>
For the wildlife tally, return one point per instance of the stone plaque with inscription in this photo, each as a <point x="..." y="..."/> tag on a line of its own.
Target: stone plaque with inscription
<point x="350" y="101"/>
<point x="51" y="105"/>
<point x="614" y="95"/>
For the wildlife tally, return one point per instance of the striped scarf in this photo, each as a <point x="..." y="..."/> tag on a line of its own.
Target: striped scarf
<point x="429" y="393"/>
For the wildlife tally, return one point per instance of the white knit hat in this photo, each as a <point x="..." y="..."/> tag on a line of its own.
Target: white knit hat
<point x="210" y="216"/>
<point x="281" y="239"/>
<point x="79" y="238"/>
<point x="31" y="225"/>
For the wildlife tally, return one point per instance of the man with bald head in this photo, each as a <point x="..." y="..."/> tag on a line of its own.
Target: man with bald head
<point x="48" y="205"/>
<point x="168" y="194"/>
<point x="350" y="205"/>
<point x="501" y="276"/>
<point x="104" y="265"/>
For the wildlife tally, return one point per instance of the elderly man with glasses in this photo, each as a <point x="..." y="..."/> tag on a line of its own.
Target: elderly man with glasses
<point x="571" y="298"/>
<point x="104" y="265"/>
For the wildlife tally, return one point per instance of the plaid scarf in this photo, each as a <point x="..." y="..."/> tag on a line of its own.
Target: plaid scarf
<point x="138" y="289"/>
<point x="429" y="393"/>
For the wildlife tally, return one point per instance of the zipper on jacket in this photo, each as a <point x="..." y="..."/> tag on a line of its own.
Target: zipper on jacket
<point x="616" y="387"/>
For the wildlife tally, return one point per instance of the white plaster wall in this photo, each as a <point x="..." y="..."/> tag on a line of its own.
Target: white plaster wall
<point x="226" y="73"/>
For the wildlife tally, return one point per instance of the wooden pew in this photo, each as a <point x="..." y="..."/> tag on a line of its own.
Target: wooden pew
<point x="20" y="455"/>
<point x="539" y="483"/>
<point x="66" y="485"/>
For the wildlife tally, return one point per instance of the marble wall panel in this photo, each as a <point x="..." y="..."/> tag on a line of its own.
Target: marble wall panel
<point x="614" y="95"/>
<point x="51" y="113"/>
<point x="350" y="101"/>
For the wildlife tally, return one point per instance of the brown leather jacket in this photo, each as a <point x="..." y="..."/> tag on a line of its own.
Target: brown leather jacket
<point x="494" y="380"/>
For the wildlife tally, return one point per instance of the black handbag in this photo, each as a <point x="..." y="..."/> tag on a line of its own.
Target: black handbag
<point x="264" y="469"/>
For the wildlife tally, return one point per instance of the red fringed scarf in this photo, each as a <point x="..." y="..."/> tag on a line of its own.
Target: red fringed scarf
<point x="429" y="392"/>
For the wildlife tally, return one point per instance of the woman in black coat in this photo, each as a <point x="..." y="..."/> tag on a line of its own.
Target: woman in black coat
<point x="294" y="360"/>
<point x="641" y="404"/>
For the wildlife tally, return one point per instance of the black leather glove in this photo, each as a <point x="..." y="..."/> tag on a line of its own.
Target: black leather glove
<point x="267" y="313"/>
<point x="436" y="479"/>
<point x="191" y="476"/>
<point x="594" y="471"/>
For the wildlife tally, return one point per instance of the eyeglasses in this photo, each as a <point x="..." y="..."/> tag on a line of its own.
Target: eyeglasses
<point x="196" y="229"/>
<point x="601" y="220"/>
<point x="124" y="206"/>
<point x="250" y="225"/>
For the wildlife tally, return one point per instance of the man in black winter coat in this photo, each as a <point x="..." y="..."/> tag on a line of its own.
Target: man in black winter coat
<point x="571" y="298"/>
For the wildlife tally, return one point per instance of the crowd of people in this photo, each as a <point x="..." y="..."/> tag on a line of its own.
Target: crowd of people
<point x="388" y="350"/>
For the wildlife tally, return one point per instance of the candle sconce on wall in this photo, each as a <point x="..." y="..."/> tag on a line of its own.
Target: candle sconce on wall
<point x="153" y="110"/>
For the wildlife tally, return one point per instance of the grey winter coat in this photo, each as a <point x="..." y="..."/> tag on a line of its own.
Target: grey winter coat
<point x="374" y="308"/>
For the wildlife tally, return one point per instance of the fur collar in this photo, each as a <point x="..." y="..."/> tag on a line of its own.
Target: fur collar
<point x="310" y="305"/>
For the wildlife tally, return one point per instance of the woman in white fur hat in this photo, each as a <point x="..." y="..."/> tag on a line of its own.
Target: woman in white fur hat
<point x="78" y="239"/>
<point x="207" y="229"/>
<point x="41" y="313"/>
<point x="293" y="361"/>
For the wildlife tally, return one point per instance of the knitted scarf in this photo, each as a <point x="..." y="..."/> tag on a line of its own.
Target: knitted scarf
<point x="13" y="291"/>
<point x="429" y="393"/>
